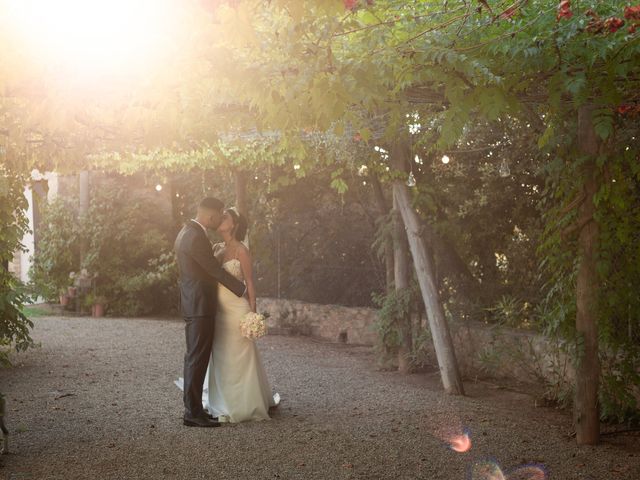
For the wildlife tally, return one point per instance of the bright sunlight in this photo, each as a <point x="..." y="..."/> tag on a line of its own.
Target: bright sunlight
<point x="93" y="38"/>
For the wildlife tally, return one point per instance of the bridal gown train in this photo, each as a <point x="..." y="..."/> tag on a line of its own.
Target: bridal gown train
<point x="236" y="388"/>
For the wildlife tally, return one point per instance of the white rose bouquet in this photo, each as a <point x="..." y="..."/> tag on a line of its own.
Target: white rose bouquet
<point x="253" y="326"/>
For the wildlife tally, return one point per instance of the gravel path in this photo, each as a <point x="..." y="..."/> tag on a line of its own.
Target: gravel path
<point x="97" y="400"/>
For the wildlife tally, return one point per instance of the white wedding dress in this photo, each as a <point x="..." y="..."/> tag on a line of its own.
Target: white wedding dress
<point x="236" y="388"/>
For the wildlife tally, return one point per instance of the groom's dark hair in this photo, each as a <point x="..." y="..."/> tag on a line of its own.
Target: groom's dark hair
<point x="211" y="203"/>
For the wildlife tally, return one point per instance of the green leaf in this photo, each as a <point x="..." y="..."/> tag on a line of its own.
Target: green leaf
<point x="365" y="133"/>
<point x="603" y="124"/>
<point x="576" y="84"/>
<point x="543" y="140"/>
<point x="339" y="185"/>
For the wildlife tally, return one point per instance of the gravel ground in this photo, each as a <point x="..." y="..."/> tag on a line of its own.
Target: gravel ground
<point x="97" y="400"/>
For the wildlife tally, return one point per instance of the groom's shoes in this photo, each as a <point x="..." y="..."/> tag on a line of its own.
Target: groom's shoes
<point x="210" y="417"/>
<point x="205" y="421"/>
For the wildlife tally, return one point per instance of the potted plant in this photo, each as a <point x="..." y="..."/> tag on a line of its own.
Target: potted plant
<point x="97" y="303"/>
<point x="98" y="307"/>
<point x="63" y="298"/>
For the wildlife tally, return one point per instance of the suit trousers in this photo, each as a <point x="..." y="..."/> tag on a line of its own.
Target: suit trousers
<point x="199" y="336"/>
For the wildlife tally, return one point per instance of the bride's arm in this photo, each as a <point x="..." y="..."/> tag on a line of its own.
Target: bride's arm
<point x="247" y="271"/>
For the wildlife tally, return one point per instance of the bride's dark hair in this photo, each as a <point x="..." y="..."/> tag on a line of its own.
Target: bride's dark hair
<point x="240" y="223"/>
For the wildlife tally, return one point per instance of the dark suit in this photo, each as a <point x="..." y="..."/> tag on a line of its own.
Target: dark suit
<point x="200" y="273"/>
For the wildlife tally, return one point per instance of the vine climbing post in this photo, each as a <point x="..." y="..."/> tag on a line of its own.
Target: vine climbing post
<point x="401" y="276"/>
<point x="586" y="414"/>
<point x="383" y="212"/>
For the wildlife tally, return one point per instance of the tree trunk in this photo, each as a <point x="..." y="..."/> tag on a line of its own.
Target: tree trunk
<point x="241" y="193"/>
<point x="401" y="276"/>
<point x="442" y="341"/>
<point x="84" y="194"/>
<point x="383" y="210"/>
<point x="586" y="414"/>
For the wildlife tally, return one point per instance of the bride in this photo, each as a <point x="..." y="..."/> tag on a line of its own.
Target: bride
<point x="238" y="388"/>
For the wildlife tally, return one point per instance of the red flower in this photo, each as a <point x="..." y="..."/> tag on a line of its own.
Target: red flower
<point x="565" y="14"/>
<point x="632" y="13"/>
<point x="350" y="4"/>
<point x="564" y="10"/>
<point x="623" y="109"/>
<point x="632" y="28"/>
<point x="613" y="24"/>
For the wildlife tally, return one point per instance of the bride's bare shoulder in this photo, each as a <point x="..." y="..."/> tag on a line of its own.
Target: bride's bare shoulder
<point x="243" y="250"/>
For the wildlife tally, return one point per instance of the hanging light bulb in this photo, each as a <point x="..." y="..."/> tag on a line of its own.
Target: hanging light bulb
<point x="411" y="181"/>
<point x="504" y="170"/>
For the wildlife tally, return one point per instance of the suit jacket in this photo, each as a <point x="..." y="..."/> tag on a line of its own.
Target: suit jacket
<point x="200" y="273"/>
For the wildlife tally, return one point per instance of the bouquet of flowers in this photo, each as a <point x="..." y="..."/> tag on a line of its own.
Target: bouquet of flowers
<point x="253" y="326"/>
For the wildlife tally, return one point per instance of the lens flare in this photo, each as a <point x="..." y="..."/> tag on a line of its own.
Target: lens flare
<point x="528" y="472"/>
<point x="488" y="470"/>
<point x="447" y="426"/>
<point x="460" y="443"/>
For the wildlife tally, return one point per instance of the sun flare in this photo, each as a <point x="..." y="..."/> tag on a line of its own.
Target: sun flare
<point x="92" y="37"/>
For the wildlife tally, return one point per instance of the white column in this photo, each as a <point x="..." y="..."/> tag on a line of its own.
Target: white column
<point x="28" y="239"/>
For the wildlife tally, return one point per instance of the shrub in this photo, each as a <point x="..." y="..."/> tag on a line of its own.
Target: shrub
<point x="128" y="251"/>
<point x="14" y="325"/>
<point x="58" y="251"/>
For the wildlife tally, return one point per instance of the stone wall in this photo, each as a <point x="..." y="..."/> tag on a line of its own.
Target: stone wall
<point x="502" y="352"/>
<point x="334" y="323"/>
<point x="482" y="350"/>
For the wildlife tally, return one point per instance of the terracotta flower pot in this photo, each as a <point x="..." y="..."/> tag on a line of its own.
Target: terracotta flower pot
<point x="71" y="291"/>
<point x="64" y="299"/>
<point x="97" y="310"/>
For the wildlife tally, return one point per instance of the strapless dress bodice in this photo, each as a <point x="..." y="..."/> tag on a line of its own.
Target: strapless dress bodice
<point x="233" y="267"/>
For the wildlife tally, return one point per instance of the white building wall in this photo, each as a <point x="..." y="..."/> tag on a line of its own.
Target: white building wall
<point x="25" y="259"/>
<point x="52" y="179"/>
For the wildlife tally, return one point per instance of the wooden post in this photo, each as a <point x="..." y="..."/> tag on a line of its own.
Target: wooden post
<point x="445" y="353"/>
<point x="586" y="413"/>
<point x="390" y="283"/>
<point x="401" y="276"/>
<point x="83" y="184"/>
<point x="241" y="192"/>
<point x="383" y="211"/>
<point x="83" y="179"/>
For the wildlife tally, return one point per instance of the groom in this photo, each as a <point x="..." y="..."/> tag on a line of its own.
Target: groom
<point x="200" y="273"/>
